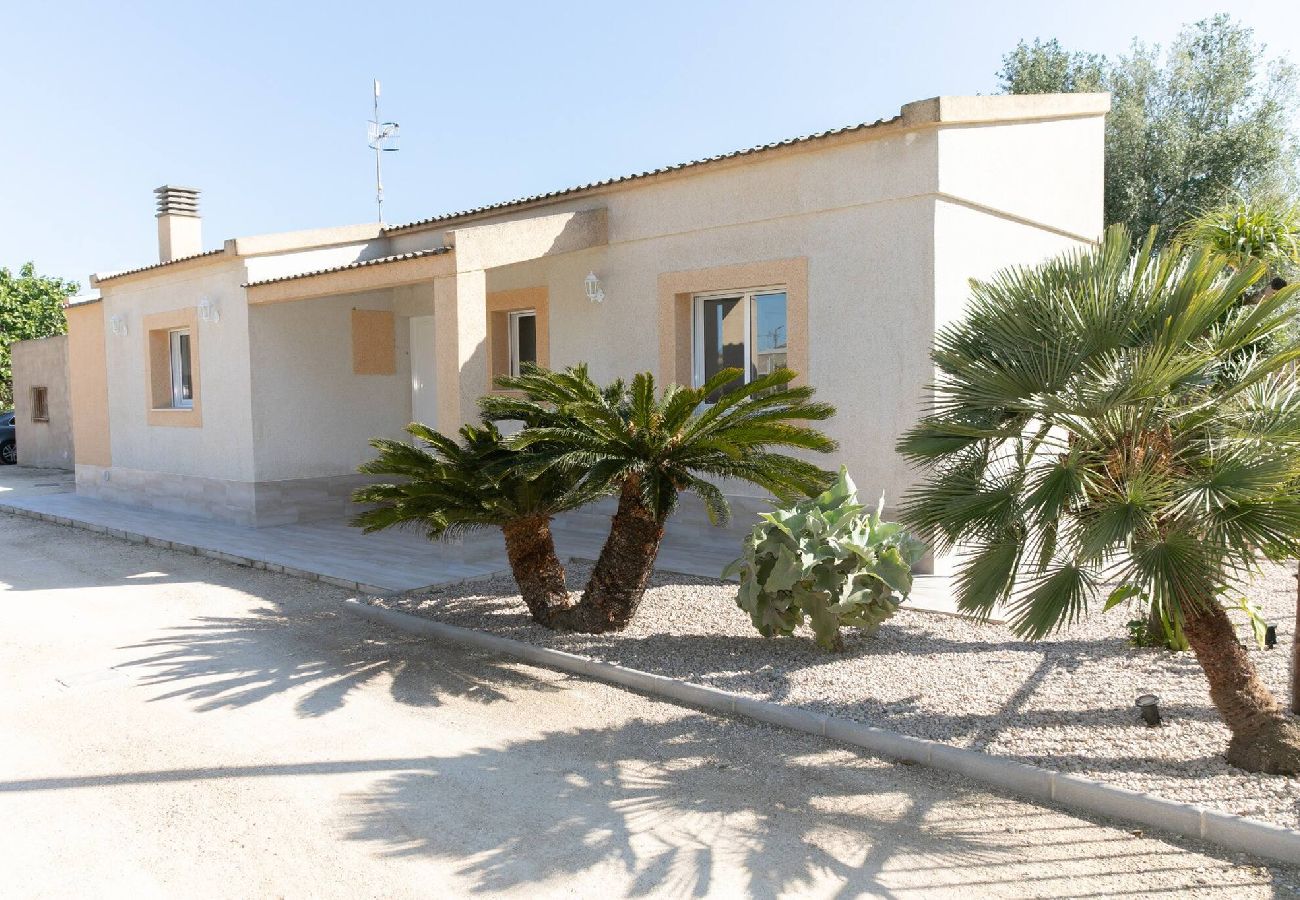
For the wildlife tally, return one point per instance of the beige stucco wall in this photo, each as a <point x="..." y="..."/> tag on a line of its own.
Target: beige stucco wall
<point x="891" y="230"/>
<point x="88" y="374"/>
<point x="222" y="448"/>
<point x="43" y="363"/>
<point x="312" y="415"/>
<point x="889" y="224"/>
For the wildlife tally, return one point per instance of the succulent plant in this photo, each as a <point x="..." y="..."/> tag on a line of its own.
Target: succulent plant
<point x="828" y="560"/>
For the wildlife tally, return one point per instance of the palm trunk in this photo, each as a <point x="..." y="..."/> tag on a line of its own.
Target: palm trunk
<point x="626" y="561"/>
<point x="537" y="570"/>
<point x="1264" y="737"/>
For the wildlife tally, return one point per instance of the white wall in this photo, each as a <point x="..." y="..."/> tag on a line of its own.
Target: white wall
<point x="312" y="417"/>
<point x="223" y="447"/>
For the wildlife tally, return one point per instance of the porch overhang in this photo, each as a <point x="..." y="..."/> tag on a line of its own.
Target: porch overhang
<point x="354" y="278"/>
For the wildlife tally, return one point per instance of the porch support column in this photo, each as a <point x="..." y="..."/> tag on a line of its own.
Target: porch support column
<point x="460" y="336"/>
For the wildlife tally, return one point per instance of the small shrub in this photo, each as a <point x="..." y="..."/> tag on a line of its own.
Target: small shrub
<point x="827" y="560"/>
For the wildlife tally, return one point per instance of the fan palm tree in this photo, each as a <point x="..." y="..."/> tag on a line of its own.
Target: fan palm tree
<point x="1117" y="419"/>
<point x="451" y="488"/>
<point x="648" y="448"/>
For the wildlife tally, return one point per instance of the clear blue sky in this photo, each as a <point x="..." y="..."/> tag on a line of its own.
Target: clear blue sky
<point x="263" y="105"/>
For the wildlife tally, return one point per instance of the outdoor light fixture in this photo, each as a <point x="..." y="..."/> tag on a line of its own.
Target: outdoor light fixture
<point x="595" y="293"/>
<point x="1150" y="706"/>
<point x="117" y="325"/>
<point x="1270" y="637"/>
<point x="208" y="311"/>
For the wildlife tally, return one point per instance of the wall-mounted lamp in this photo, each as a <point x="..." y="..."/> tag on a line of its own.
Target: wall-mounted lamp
<point x="117" y="325"/>
<point x="208" y="311"/>
<point x="595" y="293"/>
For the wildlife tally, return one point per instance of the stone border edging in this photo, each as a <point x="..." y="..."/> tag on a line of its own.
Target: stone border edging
<point x="1059" y="788"/>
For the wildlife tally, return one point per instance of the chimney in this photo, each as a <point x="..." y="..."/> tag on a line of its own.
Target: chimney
<point x="180" y="230"/>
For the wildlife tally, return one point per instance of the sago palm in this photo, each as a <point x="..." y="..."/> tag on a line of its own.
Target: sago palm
<point x="648" y="447"/>
<point x="449" y="488"/>
<point x="1106" y="425"/>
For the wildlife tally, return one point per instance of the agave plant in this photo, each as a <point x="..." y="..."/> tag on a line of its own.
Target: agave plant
<point x="1111" y="419"/>
<point x="449" y="488"/>
<point x="648" y="447"/>
<point x="829" y="560"/>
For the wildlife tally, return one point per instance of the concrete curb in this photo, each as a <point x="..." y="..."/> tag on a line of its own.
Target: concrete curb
<point x="1057" y="788"/>
<point x="235" y="559"/>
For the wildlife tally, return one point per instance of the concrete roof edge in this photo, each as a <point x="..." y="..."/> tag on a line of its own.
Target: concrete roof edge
<point x="993" y="108"/>
<point x="307" y="239"/>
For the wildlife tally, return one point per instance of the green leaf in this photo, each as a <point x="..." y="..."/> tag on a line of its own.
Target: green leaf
<point x="1119" y="595"/>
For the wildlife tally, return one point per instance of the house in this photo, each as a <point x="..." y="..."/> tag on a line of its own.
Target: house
<point x="244" y="382"/>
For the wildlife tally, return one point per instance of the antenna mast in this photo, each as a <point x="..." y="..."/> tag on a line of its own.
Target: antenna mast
<point x="382" y="137"/>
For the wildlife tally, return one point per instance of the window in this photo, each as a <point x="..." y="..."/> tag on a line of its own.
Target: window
<point x="40" y="404"/>
<point x="182" y="379"/>
<point x="744" y="330"/>
<point x="523" y="339"/>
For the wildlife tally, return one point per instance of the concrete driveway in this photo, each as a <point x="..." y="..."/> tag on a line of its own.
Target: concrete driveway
<point x="175" y="726"/>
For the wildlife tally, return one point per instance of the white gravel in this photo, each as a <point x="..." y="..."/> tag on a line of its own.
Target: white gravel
<point x="1064" y="703"/>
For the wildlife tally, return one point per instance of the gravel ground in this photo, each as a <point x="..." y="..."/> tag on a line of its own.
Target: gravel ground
<point x="1065" y="703"/>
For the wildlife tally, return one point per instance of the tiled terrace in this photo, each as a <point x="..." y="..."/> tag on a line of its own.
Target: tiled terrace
<point x="385" y="563"/>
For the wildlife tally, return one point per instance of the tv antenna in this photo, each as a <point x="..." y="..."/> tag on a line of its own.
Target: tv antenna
<point x="382" y="138"/>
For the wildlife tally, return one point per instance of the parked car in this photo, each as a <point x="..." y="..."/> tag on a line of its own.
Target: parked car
<point x="8" y="442"/>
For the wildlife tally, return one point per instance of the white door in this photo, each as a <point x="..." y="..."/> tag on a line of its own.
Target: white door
<point x="424" y="387"/>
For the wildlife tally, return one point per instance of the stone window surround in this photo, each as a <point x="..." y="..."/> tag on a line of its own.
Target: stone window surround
<point x="499" y="306"/>
<point x="677" y="292"/>
<point x="157" y="328"/>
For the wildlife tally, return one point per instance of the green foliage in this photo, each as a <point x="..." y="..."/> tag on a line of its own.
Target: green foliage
<point x="31" y="306"/>
<point x="666" y="442"/>
<point x="1209" y="118"/>
<point x="448" y="488"/>
<point x="1103" y="418"/>
<point x="1266" y="229"/>
<point x="1045" y="67"/>
<point x="1255" y="619"/>
<point x="828" y="560"/>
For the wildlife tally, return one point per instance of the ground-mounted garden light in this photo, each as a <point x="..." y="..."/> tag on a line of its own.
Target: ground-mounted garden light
<point x="1149" y="704"/>
<point x="595" y="293"/>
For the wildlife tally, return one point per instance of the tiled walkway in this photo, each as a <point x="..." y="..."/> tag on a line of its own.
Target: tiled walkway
<point x="384" y="563"/>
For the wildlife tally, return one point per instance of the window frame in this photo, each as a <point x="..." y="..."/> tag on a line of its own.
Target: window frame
<point x="746" y="297"/>
<point x="513" y="362"/>
<point x="176" y="362"/>
<point x="41" y="407"/>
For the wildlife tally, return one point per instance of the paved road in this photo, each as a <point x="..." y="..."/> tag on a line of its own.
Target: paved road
<point x="174" y="726"/>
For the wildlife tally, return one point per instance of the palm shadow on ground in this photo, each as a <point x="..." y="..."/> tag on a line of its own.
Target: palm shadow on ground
<point x="227" y="662"/>
<point x="669" y="803"/>
<point x="674" y="804"/>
